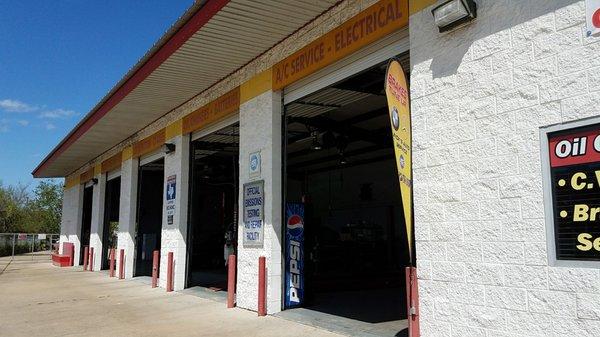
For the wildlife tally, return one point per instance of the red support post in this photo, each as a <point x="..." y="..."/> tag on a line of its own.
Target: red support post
<point x="231" y="281"/>
<point x="111" y="268"/>
<point x="71" y="253"/>
<point x="262" y="286"/>
<point x="86" y="255"/>
<point x="412" y="303"/>
<point x="170" y="272"/>
<point x="155" y="256"/>
<point x="121" y="264"/>
<point x="91" y="258"/>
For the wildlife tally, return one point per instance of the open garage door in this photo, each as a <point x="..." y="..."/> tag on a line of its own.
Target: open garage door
<point x="212" y="233"/>
<point x="149" y="215"/>
<point x="86" y="220"/>
<point x="110" y="228"/>
<point x="340" y="172"/>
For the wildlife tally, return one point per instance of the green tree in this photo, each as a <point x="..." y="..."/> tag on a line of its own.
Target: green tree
<point x="13" y="200"/>
<point x="25" y="212"/>
<point x="43" y="211"/>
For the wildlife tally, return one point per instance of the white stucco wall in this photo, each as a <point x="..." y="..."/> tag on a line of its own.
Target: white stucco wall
<point x="97" y="221"/>
<point x="260" y="130"/>
<point x="127" y="215"/>
<point x="479" y="95"/>
<point x="70" y="226"/>
<point x="173" y="237"/>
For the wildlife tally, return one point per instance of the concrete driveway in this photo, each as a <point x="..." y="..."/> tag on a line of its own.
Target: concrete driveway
<point x="37" y="299"/>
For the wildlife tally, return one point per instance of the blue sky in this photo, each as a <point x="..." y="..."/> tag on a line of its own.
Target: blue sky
<point x="58" y="59"/>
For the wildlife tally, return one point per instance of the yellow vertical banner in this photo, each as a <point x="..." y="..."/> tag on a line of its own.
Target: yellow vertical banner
<point x="396" y="91"/>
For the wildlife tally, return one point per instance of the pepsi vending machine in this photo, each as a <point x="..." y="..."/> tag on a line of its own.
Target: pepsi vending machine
<point x="294" y="256"/>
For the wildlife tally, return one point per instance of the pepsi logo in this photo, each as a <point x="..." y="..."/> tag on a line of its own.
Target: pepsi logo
<point x="295" y="221"/>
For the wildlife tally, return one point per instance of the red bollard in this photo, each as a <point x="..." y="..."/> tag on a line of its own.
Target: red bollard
<point x="91" y="258"/>
<point x="122" y="264"/>
<point x="412" y="303"/>
<point x="155" y="256"/>
<point x="262" y="287"/>
<point x="86" y="254"/>
<point x="71" y="253"/>
<point x="111" y="268"/>
<point x="231" y="281"/>
<point x="170" y="272"/>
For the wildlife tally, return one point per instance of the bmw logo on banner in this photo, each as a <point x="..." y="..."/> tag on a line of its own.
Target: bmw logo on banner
<point x="294" y="257"/>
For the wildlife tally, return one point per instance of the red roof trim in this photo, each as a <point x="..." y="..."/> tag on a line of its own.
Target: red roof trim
<point x="199" y="19"/>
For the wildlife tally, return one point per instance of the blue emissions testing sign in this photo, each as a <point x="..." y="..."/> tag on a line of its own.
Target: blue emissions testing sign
<point x="254" y="198"/>
<point x="171" y="184"/>
<point x="294" y="256"/>
<point x="171" y="195"/>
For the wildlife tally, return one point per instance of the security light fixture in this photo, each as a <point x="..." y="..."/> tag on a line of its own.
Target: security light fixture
<point x="343" y="159"/>
<point x="316" y="145"/>
<point x="453" y="13"/>
<point x="168" y="148"/>
<point x="94" y="181"/>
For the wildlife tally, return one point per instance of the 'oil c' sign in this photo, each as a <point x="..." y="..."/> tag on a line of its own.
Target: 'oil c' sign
<point x="575" y="178"/>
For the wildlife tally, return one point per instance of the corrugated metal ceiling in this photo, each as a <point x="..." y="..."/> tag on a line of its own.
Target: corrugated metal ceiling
<point x="238" y="33"/>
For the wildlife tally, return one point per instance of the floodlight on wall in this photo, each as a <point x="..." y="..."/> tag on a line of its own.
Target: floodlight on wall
<point x="168" y="148"/>
<point x="453" y="13"/>
<point x="94" y="181"/>
<point x="316" y="145"/>
<point x="343" y="159"/>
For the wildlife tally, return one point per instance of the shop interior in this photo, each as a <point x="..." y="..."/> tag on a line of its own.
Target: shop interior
<point x="111" y="219"/>
<point x="340" y="165"/>
<point x="86" y="220"/>
<point x="149" y="215"/>
<point x="213" y="208"/>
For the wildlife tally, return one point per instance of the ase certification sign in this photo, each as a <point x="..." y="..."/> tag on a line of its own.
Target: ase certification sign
<point x="572" y="192"/>
<point x="254" y="199"/>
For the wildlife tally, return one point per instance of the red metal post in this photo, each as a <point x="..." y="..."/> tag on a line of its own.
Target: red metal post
<point x="155" y="256"/>
<point x="262" y="287"/>
<point x="91" y="258"/>
<point x="86" y="254"/>
<point x="412" y="303"/>
<point x="121" y="264"/>
<point x="231" y="281"/>
<point x="111" y="268"/>
<point x="71" y="253"/>
<point x="170" y="272"/>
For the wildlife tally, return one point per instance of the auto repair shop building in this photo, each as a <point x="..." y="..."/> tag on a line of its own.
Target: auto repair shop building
<point x="254" y="125"/>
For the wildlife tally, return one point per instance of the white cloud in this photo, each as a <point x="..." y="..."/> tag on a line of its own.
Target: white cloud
<point x="11" y="105"/>
<point x="50" y="126"/>
<point x="23" y="122"/>
<point x="57" y="113"/>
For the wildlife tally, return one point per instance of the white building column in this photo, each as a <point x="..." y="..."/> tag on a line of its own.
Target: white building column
<point x="70" y="226"/>
<point x="97" y="225"/>
<point x="127" y="214"/>
<point x="175" y="212"/>
<point x="260" y="130"/>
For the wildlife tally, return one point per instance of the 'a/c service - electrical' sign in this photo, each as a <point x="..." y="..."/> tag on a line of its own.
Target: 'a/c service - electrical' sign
<point x="370" y="25"/>
<point x="575" y="177"/>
